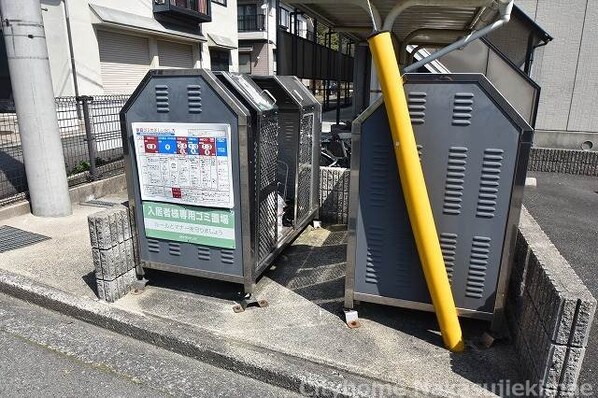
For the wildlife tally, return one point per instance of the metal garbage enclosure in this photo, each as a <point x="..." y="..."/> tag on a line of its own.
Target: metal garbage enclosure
<point x="201" y="159"/>
<point x="299" y="114"/>
<point x="474" y="149"/>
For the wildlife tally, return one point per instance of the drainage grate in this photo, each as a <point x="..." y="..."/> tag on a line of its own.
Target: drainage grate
<point x="14" y="238"/>
<point x="99" y="203"/>
<point x="336" y="238"/>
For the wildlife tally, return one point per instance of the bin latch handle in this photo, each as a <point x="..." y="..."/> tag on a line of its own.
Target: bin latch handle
<point x="269" y="94"/>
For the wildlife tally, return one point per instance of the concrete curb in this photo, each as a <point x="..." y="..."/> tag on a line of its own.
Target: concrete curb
<point x="79" y="194"/>
<point x="282" y="370"/>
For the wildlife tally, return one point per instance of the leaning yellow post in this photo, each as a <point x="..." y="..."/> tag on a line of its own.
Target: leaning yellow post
<point x="414" y="188"/>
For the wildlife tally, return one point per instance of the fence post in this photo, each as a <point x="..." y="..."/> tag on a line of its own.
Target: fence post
<point x="89" y="136"/>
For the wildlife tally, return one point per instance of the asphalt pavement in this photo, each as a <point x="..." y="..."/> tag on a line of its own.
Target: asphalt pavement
<point x="566" y="207"/>
<point x="46" y="354"/>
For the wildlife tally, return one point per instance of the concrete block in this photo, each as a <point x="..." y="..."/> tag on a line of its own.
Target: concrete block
<point x="120" y="219"/>
<point x="572" y="368"/>
<point x="131" y="276"/>
<point x="114" y="227"/>
<point x="586" y="311"/>
<point x="99" y="230"/>
<point x="127" y="233"/>
<point x="129" y="256"/>
<point x="121" y="258"/>
<point x="109" y="263"/>
<point x="97" y="263"/>
<point x="108" y="290"/>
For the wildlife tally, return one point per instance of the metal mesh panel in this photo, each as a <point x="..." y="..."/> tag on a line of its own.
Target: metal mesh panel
<point x="105" y="118"/>
<point x="104" y="127"/>
<point x="268" y="152"/>
<point x="304" y="184"/>
<point x="268" y="155"/>
<point x="13" y="182"/>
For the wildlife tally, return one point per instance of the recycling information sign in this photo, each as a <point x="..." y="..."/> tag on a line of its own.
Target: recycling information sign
<point x="185" y="163"/>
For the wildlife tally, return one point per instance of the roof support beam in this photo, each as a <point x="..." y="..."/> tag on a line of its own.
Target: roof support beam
<point x="401" y="6"/>
<point x="359" y="3"/>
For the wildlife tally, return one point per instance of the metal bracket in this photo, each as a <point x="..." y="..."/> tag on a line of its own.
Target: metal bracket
<point x="352" y="319"/>
<point x="138" y="286"/>
<point x="249" y="301"/>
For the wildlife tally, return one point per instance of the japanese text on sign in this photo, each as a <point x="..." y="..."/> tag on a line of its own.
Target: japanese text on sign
<point x="202" y="226"/>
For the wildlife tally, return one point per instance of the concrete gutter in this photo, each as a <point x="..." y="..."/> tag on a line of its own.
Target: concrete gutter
<point x="282" y="370"/>
<point x="78" y="194"/>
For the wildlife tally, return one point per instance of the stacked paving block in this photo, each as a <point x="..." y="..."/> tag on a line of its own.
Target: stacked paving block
<point x="112" y="245"/>
<point x="568" y="161"/>
<point x="550" y="312"/>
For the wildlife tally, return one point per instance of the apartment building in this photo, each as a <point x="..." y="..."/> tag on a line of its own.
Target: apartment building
<point x="107" y="46"/>
<point x="257" y="22"/>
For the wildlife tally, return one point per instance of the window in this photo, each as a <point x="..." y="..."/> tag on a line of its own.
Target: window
<point x="194" y="5"/>
<point x="274" y="63"/>
<point x="245" y="63"/>
<point x="219" y="59"/>
<point x="221" y="2"/>
<point x="249" y="20"/>
<point x="285" y="18"/>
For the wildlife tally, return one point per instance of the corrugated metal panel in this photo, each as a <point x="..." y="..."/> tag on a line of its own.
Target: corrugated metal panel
<point x="175" y="55"/>
<point x="455" y="15"/>
<point x="124" y="60"/>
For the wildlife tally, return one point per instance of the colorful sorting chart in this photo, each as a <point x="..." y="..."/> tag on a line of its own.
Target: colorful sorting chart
<point x="185" y="163"/>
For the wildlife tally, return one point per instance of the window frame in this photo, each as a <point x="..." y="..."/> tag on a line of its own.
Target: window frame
<point x="248" y="54"/>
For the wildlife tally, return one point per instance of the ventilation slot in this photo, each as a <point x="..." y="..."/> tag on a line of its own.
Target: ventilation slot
<point x="227" y="256"/>
<point x="162" y="99"/>
<point x="462" y="108"/>
<point x="448" y="244"/>
<point x="478" y="264"/>
<point x="194" y="98"/>
<point x="417" y="107"/>
<point x="153" y="246"/>
<point x="174" y="249"/>
<point x="420" y="152"/>
<point x="455" y="178"/>
<point x="489" y="183"/>
<point x="378" y="182"/>
<point x="203" y="253"/>
<point x="374" y="254"/>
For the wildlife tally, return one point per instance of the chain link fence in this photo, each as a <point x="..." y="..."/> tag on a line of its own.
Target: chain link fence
<point x="91" y="142"/>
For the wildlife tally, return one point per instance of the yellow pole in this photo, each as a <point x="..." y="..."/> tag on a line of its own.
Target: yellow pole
<point x="414" y="188"/>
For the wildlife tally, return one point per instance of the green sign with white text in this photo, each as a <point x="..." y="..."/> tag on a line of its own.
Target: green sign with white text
<point x="190" y="224"/>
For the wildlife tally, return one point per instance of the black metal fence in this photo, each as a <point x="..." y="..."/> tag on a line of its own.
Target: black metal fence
<point x="91" y="142"/>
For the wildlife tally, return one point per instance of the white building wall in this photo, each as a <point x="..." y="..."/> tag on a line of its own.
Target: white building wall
<point x="224" y="23"/>
<point x="567" y="71"/>
<point x="85" y="41"/>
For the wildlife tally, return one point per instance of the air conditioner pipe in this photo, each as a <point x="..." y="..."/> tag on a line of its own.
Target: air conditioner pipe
<point x="505" y="7"/>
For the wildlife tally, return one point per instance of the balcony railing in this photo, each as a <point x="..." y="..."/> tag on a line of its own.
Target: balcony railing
<point x="200" y="6"/>
<point x="183" y="11"/>
<point x="251" y="23"/>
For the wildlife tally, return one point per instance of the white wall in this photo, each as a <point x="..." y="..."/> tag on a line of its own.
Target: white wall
<point x="224" y="23"/>
<point x="567" y="71"/>
<point x="85" y="42"/>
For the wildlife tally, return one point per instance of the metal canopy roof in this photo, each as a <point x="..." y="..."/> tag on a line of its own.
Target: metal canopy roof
<point x="352" y="16"/>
